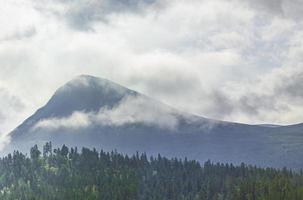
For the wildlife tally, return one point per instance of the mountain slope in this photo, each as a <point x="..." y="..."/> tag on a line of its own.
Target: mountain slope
<point x="94" y="112"/>
<point x="84" y="93"/>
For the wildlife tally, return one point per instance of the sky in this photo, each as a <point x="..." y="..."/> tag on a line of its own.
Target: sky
<point x="233" y="60"/>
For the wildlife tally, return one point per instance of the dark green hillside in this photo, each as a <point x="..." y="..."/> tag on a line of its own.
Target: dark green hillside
<point x="66" y="173"/>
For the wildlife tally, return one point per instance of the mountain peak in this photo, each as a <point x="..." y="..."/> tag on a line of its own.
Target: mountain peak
<point x="86" y="81"/>
<point x="87" y="77"/>
<point x="83" y="93"/>
<point x="88" y="93"/>
<point x="95" y="112"/>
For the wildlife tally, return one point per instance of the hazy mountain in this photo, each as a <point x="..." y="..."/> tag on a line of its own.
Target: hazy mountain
<point x="90" y="111"/>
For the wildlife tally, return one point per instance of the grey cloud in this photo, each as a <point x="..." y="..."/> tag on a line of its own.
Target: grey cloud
<point x="283" y="8"/>
<point x="222" y="105"/>
<point x="294" y="8"/>
<point x="80" y="15"/>
<point x="20" y="34"/>
<point x="270" y="98"/>
<point x="10" y="101"/>
<point x="290" y="85"/>
<point x="273" y="6"/>
<point x="219" y="104"/>
<point x="279" y="92"/>
<point x="11" y="106"/>
<point x="254" y="103"/>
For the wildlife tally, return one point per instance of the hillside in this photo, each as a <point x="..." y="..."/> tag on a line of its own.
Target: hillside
<point x="94" y="112"/>
<point x="85" y="174"/>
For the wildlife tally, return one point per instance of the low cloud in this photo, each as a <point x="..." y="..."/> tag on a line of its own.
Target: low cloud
<point x="131" y="110"/>
<point x="75" y="121"/>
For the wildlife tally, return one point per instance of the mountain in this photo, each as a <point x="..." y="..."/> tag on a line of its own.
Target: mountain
<point x="95" y="112"/>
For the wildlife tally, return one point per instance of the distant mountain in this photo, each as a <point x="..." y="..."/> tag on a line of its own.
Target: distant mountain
<point x="269" y="125"/>
<point x="95" y="112"/>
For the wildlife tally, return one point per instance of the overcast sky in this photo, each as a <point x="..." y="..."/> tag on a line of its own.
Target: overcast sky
<point x="235" y="60"/>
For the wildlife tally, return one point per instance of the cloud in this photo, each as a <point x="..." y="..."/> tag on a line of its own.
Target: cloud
<point x="20" y="34"/>
<point x="75" y="121"/>
<point x="225" y="59"/>
<point x="131" y="110"/>
<point x="10" y="108"/>
<point x="289" y="9"/>
<point x="275" y="96"/>
<point x="81" y="15"/>
<point x="272" y="6"/>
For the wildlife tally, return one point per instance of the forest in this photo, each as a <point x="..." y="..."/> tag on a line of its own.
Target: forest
<point x="88" y="174"/>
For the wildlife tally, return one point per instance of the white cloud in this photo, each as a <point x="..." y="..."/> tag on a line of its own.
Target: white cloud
<point x="131" y="110"/>
<point x="212" y="58"/>
<point x="75" y="121"/>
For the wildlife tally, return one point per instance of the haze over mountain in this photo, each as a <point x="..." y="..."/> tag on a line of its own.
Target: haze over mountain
<point x="95" y="112"/>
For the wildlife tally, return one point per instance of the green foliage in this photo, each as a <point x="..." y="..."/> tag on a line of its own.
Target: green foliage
<point x="65" y="173"/>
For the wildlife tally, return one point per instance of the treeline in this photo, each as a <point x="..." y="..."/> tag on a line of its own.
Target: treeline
<point x="69" y="174"/>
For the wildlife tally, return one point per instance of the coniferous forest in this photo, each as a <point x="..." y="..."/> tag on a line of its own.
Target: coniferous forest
<point x="69" y="173"/>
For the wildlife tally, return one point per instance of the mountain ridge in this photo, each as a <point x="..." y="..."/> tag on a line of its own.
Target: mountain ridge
<point x="80" y="82"/>
<point x="95" y="112"/>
